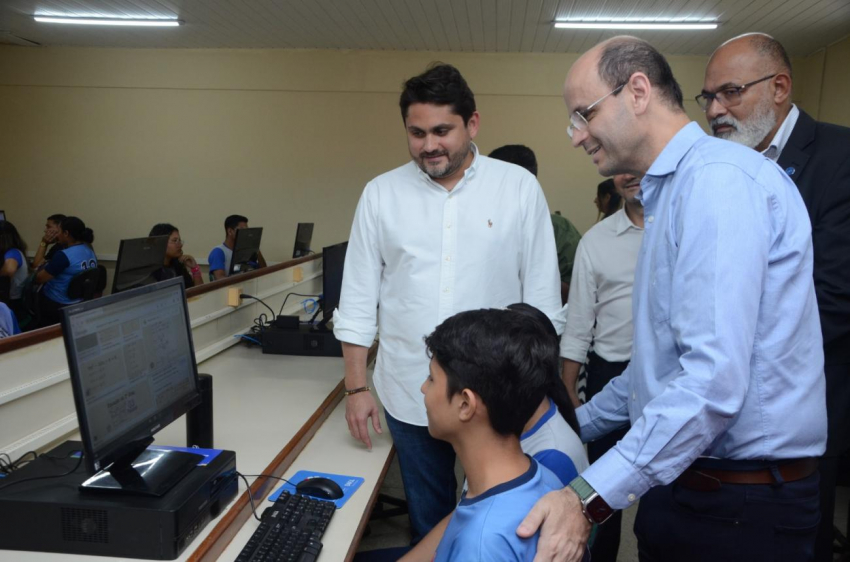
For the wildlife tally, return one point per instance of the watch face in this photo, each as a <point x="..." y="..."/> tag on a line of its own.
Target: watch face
<point x="598" y="510"/>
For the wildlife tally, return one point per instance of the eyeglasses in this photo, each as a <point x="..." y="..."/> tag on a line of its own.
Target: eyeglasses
<point x="177" y="241"/>
<point x="729" y="96"/>
<point x="578" y="120"/>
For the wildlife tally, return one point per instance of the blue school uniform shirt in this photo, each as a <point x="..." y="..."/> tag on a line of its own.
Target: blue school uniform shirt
<point x="554" y="444"/>
<point x="63" y="267"/>
<point x="483" y="528"/>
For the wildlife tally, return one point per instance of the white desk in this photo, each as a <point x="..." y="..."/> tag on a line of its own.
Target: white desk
<point x="266" y="408"/>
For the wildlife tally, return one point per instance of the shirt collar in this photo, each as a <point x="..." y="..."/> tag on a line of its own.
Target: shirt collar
<point x="468" y="174"/>
<point x="623" y="222"/>
<point x="679" y="145"/>
<point x="780" y="139"/>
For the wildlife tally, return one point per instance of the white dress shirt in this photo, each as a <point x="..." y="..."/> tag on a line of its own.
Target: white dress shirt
<point x="601" y="291"/>
<point x="782" y="135"/>
<point x="424" y="253"/>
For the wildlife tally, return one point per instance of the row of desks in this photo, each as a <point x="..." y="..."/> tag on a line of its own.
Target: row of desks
<point x="281" y="414"/>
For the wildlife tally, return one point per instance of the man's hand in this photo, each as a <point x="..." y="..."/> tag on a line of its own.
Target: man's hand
<point x="358" y="409"/>
<point x="564" y="530"/>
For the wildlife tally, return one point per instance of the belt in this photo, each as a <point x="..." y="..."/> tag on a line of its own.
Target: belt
<point x="706" y="480"/>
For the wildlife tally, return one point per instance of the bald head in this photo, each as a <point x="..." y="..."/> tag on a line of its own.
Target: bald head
<point x="759" y="46"/>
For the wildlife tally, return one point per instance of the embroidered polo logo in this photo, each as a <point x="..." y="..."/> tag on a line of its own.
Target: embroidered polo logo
<point x="489" y="223"/>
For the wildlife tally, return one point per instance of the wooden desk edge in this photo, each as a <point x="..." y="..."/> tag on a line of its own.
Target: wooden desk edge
<point x="364" y="521"/>
<point x="231" y="522"/>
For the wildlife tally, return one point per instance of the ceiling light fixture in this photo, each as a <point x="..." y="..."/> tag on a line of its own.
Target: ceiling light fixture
<point x="149" y="22"/>
<point x="621" y="24"/>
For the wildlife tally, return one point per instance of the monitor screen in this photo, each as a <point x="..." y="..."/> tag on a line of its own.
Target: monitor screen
<point x="132" y="366"/>
<point x="333" y="261"/>
<point x="138" y="260"/>
<point x="245" y="250"/>
<point x="303" y="237"/>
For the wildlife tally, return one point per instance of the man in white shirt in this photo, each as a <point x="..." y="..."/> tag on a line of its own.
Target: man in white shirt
<point x="600" y="314"/>
<point x="747" y="99"/>
<point x="452" y="230"/>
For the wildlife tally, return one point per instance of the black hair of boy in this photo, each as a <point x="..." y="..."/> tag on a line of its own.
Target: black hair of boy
<point x="556" y="389"/>
<point x="518" y="154"/>
<point x="503" y="356"/>
<point x="441" y="84"/>
<point x="233" y="221"/>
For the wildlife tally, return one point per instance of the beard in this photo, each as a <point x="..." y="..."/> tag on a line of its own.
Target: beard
<point x="454" y="162"/>
<point x="750" y="132"/>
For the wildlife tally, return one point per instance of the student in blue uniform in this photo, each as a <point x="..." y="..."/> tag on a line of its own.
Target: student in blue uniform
<point x="76" y="257"/>
<point x="490" y="372"/>
<point x="177" y="264"/>
<point x="219" y="258"/>
<point x="13" y="265"/>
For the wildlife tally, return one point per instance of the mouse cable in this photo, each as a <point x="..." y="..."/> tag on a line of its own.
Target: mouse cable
<point x="76" y="466"/>
<point x="245" y="477"/>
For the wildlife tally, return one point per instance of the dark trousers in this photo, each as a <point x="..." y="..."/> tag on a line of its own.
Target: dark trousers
<point x="599" y="373"/>
<point x="838" y="441"/>
<point x="48" y="311"/>
<point x="427" y="473"/>
<point x="736" y="523"/>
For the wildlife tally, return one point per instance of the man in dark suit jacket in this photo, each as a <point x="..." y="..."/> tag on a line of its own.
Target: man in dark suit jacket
<point x="747" y="99"/>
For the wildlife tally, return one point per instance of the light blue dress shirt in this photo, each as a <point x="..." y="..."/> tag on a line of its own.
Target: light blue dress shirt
<point x="727" y="359"/>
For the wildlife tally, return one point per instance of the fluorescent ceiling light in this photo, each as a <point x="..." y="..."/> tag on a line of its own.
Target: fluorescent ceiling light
<point x="633" y="25"/>
<point x="109" y="21"/>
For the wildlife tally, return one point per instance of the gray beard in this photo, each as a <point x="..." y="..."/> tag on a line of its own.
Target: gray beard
<point x="750" y="132"/>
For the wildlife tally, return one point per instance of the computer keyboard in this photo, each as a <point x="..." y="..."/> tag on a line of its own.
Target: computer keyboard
<point x="290" y="531"/>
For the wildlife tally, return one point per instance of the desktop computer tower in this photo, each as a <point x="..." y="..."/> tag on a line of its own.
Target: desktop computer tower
<point x="301" y="341"/>
<point x="52" y="515"/>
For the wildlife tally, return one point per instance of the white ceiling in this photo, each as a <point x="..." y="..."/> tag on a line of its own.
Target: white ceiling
<point x="803" y="26"/>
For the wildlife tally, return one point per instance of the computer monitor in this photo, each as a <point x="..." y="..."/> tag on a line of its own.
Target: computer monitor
<point x="133" y="372"/>
<point x="245" y="250"/>
<point x="303" y="237"/>
<point x="333" y="262"/>
<point x="138" y="260"/>
<point x="3" y="217"/>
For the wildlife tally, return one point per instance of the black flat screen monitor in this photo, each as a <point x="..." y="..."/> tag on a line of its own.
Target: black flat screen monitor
<point x="133" y="372"/>
<point x="245" y="250"/>
<point x="303" y="238"/>
<point x="333" y="262"/>
<point x="138" y="260"/>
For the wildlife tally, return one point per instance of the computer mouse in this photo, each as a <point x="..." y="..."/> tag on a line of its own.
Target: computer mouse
<point x="319" y="487"/>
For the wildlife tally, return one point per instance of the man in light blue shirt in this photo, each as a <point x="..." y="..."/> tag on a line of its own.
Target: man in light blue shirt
<point x="725" y="390"/>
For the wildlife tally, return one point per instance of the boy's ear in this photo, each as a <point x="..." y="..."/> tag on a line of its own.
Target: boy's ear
<point x="469" y="404"/>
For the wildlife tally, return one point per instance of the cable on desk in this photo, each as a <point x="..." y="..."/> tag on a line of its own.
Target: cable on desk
<point x="244" y="477"/>
<point x="283" y="304"/>
<point x="77" y="466"/>
<point x="246" y="296"/>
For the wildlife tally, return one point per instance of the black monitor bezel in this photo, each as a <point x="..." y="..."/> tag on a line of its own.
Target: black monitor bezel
<point x="295" y="247"/>
<point x="122" y="253"/>
<point x="147" y="428"/>
<point x="327" y="315"/>
<point x="236" y="247"/>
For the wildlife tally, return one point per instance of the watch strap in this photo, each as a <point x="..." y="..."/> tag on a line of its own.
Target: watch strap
<point x="582" y="488"/>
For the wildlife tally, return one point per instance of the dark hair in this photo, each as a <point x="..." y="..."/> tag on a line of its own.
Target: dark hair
<point x="607" y="187"/>
<point x="518" y="154"/>
<point x="506" y="357"/>
<point x="77" y="229"/>
<point x="623" y="56"/>
<point x="163" y="229"/>
<point x="233" y="221"/>
<point x="10" y="239"/>
<point x="441" y="84"/>
<point x="56" y="218"/>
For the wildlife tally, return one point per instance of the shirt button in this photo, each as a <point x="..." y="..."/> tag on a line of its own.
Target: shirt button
<point x="448" y="225"/>
<point x="632" y="498"/>
<point x="634" y="395"/>
<point x="650" y="218"/>
<point x="448" y="258"/>
<point x="446" y="290"/>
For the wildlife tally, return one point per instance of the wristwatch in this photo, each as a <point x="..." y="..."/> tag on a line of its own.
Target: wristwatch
<point x="592" y="504"/>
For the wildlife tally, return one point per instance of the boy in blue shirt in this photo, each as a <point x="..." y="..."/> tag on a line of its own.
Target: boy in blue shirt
<point x="490" y="371"/>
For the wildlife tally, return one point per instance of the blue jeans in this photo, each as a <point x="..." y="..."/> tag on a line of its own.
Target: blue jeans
<point x="427" y="473"/>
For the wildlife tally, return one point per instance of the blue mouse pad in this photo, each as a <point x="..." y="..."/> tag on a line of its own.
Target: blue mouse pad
<point x="349" y="485"/>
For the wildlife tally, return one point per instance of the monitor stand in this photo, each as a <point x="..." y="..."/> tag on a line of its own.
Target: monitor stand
<point x="152" y="473"/>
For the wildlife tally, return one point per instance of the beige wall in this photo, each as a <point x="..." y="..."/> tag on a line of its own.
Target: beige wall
<point x="127" y="138"/>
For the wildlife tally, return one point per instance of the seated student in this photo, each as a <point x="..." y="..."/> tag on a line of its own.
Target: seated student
<point x="56" y="276"/>
<point x="51" y="231"/>
<point x="550" y="436"/>
<point x="8" y="322"/>
<point x="13" y="264"/>
<point x="490" y="371"/>
<point x="219" y="258"/>
<point x="177" y="264"/>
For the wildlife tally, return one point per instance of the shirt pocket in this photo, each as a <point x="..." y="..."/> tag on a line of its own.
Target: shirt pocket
<point x="660" y="293"/>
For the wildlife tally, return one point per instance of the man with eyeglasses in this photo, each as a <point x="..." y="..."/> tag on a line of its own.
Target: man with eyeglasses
<point x="724" y="390"/>
<point x="747" y="99"/>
